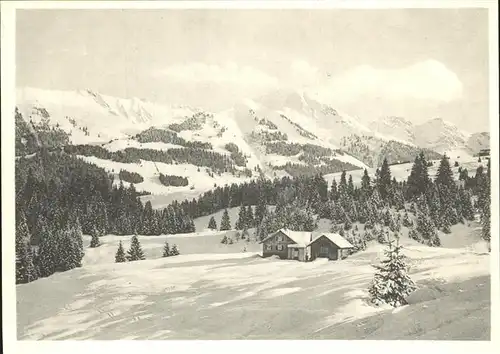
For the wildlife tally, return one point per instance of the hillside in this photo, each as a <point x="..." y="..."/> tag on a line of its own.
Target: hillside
<point x="184" y="297"/>
<point x="282" y="133"/>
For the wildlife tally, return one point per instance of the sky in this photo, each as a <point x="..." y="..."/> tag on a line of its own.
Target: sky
<point x="414" y="63"/>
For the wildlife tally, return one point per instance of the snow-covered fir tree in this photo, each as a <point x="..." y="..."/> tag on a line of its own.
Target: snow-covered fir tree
<point x="25" y="268"/>
<point x="175" y="250"/>
<point x="250" y="218"/>
<point x="120" y="254"/>
<point x="166" y="249"/>
<point x="427" y="230"/>
<point x="391" y="284"/>
<point x="94" y="241"/>
<point x="241" y="222"/>
<point x="225" y="223"/>
<point x="212" y="224"/>
<point x="135" y="252"/>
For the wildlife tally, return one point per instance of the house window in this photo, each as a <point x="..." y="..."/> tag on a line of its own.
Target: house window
<point x="279" y="247"/>
<point x="280" y="238"/>
<point x="269" y="248"/>
<point x="323" y="250"/>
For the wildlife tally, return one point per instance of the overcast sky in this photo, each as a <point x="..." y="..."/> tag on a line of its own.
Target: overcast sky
<point x="416" y="63"/>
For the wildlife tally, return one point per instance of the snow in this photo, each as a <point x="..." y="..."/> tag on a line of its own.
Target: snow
<point x="181" y="297"/>
<point x="199" y="181"/>
<point x="336" y="239"/>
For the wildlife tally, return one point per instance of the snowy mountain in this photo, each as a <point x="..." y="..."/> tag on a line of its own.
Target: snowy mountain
<point x="436" y="134"/>
<point x="284" y="132"/>
<point x="396" y="127"/>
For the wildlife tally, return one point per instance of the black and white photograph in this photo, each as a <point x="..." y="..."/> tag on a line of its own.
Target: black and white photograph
<point x="250" y="173"/>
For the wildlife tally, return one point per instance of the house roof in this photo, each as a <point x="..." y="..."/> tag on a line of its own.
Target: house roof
<point x="303" y="239"/>
<point x="335" y="238"/>
<point x="300" y="238"/>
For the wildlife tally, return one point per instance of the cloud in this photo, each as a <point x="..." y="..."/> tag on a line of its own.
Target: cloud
<point x="428" y="80"/>
<point x="304" y="74"/>
<point x="228" y="73"/>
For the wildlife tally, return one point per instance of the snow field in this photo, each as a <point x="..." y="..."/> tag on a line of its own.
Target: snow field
<point x="186" y="296"/>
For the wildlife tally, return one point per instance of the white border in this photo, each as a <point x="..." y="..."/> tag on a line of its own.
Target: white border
<point x="11" y="345"/>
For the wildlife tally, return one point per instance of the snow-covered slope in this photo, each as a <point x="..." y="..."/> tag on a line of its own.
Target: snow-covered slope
<point x="284" y="132"/>
<point x="90" y="118"/>
<point x="185" y="297"/>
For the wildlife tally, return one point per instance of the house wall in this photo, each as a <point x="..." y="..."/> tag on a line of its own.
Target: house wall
<point x="273" y="243"/>
<point x="333" y="250"/>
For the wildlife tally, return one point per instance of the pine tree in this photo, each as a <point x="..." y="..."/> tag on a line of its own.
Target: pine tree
<point x="25" y="269"/>
<point x="444" y="175"/>
<point x="250" y="218"/>
<point x="427" y="230"/>
<point x="94" y="242"/>
<point x="135" y="252"/>
<point x="175" y="250"/>
<point x="47" y="251"/>
<point x="166" y="250"/>
<point x="350" y="186"/>
<point x="241" y="222"/>
<point x="333" y="190"/>
<point x="225" y="223"/>
<point x="365" y="184"/>
<point x="261" y="208"/>
<point x="385" y="180"/>
<point x="212" y="224"/>
<point x="224" y="240"/>
<point x="120" y="254"/>
<point x="391" y="284"/>
<point x="418" y="181"/>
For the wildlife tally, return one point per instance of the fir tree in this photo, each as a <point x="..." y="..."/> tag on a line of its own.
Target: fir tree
<point x="175" y="250"/>
<point x="418" y="181"/>
<point x="391" y="284"/>
<point x="385" y="180"/>
<point x="212" y="224"/>
<point x="427" y="230"/>
<point x="224" y="240"/>
<point x="261" y="208"/>
<point x="166" y="250"/>
<point x="241" y="222"/>
<point x="365" y="183"/>
<point x="249" y="218"/>
<point x="225" y="223"/>
<point x="333" y="190"/>
<point x="47" y="252"/>
<point x="444" y="175"/>
<point x="120" y="254"/>
<point x="25" y="269"/>
<point x="350" y="186"/>
<point x="94" y="242"/>
<point x="135" y="252"/>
